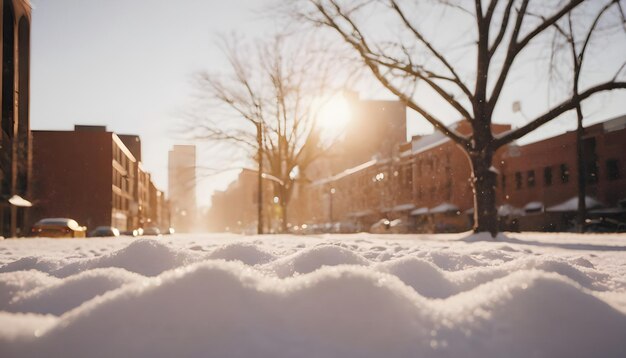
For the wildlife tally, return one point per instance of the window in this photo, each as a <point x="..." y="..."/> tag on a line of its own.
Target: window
<point x="547" y="176"/>
<point x="564" y="173"/>
<point x="518" y="180"/>
<point x="503" y="181"/>
<point x="530" y="179"/>
<point x="408" y="176"/>
<point x="592" y="172"/>
<point x="612" y="169"/>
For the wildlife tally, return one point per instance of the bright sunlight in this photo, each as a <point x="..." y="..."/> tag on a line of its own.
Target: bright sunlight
<point x="334" y="114"/>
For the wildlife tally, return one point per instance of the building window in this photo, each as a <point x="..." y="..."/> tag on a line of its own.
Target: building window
<point x="530" y="180"/>
<point x="503" y="181"/>
<point x="612" y="169"/>
<point x="592" y="172"/>
<point x="547" y="176"/>
<point x="564" y="173"/>
<point x="518" y="180"/>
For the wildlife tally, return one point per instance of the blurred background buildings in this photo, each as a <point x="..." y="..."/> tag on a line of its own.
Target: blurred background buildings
<point x="182" y="186"/>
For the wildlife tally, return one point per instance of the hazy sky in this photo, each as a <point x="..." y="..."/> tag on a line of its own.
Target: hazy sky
<point x="127" y="64"/>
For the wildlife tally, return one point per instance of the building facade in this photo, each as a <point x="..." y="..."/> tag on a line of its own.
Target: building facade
<point x="182" y="186"/>
<point x="15" y="142"/>
<point x="90" y="175"/>
<point x="426" y="185"/>
<point x="235" y="209"/>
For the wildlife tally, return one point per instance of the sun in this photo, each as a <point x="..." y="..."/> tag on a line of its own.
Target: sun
<point x="334" y="114"/>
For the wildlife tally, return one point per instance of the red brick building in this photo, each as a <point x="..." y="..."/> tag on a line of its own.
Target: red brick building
<point x="428" y="186"/>
<point x="90" y="175"/>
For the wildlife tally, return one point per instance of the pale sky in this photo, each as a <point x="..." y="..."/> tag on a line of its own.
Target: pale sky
<point x="127" y="64"/>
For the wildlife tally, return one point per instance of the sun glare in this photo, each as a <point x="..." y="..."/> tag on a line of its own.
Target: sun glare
<point x="335" y="114"/>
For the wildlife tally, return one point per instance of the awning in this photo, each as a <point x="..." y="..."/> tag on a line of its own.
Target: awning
<point x="403" y="207"/>
<point x="533" y="206"/>
<point x="419" y="211"/>
<point x="508" y="210"/>
<point x="444" y="208"/>
<point x="360" y="214"/>
<point x="17" y="200"/>
<point x="572" y="204"/>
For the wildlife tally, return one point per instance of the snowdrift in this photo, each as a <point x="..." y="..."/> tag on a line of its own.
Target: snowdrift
<point x="312" y="297"/>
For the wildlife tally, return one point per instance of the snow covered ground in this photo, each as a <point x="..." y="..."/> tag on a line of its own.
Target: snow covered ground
<point x="524" y="295"/>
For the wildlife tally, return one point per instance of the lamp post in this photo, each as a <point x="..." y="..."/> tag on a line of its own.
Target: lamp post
<point x="259" y="137"/>
<point x="330" y="212"/>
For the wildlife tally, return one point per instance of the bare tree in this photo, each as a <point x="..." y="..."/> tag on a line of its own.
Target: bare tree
<point x="266" y="105"/>
<point x="575" y="41"/>
<point x="502" y="32"/>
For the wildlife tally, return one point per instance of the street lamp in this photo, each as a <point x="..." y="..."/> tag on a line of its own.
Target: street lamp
<point x="332" y="193"/>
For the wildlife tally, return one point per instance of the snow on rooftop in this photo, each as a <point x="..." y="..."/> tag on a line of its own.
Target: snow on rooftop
<point x="457" y="295"/>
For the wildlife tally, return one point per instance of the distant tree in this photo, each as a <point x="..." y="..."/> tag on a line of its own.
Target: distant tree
<point x="266" y="105"/>
<point x="471" y="83"/>
<point x="573" y="42"/>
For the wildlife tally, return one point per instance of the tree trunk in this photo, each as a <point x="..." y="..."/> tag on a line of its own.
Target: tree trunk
<point x="483" y="186"/>
<point x="283" y="224"/>
<point x="582" y="171"/>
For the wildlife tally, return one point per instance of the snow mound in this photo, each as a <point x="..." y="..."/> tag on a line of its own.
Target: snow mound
<point x="247" y="253"/>
<point x="13" y="284"/>
<point x="71" y="292"/>
<point x="533" y="313"/>
<point x="422" y="276"/>
<point x="550" y="295"/>
<point x="311" y="259"/>
<point x="228" y="309"/>
<point x="33" y="263"/>
<point x="148" y="257"/>
<point x="451" y="261"/>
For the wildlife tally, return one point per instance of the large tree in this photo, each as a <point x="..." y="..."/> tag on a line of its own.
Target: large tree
<point x="502" y="34"/>
<point x="266" y="105"/>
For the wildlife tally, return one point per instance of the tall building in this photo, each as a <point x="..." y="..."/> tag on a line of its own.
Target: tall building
<point x="90" y="175"/>
<point x="182" y="187"/>
<point x="86" y="174"/>
<point x="15" y="139"/>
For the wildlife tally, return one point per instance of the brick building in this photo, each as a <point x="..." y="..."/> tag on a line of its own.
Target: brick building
<point x="15" y="146"/>
<point x="91" y="176"/>
<point x="428" y="186"/>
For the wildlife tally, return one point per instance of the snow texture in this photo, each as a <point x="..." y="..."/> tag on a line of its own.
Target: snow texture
<point x="522" y="295"/>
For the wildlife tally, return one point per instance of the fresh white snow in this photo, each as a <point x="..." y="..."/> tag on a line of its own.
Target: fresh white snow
<point x="458" y="295"/>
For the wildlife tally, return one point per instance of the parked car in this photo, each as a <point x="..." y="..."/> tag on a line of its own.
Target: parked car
<point x="57" y="228"/>
<point x="133" y="233"/>
<point x="152" y="231"/>
<point x="604" y="225"/>
<point x="105" y="231"/>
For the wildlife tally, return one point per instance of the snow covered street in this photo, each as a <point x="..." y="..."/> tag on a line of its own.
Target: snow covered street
<point x="362" y="295"/>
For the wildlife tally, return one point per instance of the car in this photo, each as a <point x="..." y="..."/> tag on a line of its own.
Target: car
<point x="133" y="233"/>
<point x="152" y="231"/>
<point x="58" y="228"/>
<point x="604" y="225"/>
<point x="105" y="231"/>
